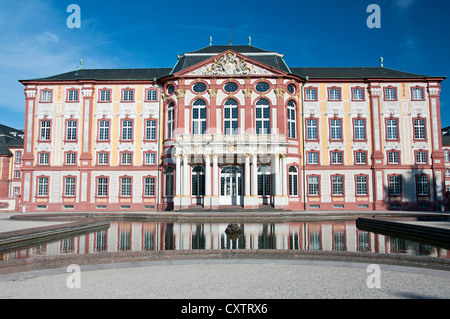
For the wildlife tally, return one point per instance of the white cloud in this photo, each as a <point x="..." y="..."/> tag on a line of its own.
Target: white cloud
<point x="34" y="46"/>
<point x="47" y="37"/>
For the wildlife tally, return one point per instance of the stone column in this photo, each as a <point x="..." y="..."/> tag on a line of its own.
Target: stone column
<point x="247" y="176"/>
<point x="177" y="197"/>
<point x="215" y="183"/>
<point x="186" y="198"/>
<point x="207" y="198"/>
<point x="247" y="197"/>
<point x="276" y="175"/>
<point x="254" y="185"/>
<point x="284" y="175"/>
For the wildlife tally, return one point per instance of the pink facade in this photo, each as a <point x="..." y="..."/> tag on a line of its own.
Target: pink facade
<point x="233" y="126"/>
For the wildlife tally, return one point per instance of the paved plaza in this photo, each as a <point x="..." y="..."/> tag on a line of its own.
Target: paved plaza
<point x="223" y="278"/>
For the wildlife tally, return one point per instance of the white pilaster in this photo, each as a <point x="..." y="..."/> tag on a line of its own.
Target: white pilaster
<point x="284" y="175"/>
<point x="177" y="197"/>
<point x="186" y="198"/>
<point x="215" y="185"/>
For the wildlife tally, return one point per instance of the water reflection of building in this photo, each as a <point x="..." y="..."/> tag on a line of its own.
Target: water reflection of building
<point x="154" y="236"/>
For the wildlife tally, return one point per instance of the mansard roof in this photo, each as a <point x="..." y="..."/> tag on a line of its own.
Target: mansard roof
<point x="109" y="75"/>
<point x="272" y="59"/>
<point x="10" y="137"/>
<point x="269" y="58"/>
<point x="353" y="73"/>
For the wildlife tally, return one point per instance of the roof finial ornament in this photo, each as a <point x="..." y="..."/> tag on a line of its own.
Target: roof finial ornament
<point x="230" y="32"/>
<point x="249" y="41"/>
<point x="81" y="64"/>
<point x="381" y="62"/>
<point x="210" y="41"/>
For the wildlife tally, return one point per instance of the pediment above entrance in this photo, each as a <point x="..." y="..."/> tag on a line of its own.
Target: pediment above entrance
<point x="229" y="64"/>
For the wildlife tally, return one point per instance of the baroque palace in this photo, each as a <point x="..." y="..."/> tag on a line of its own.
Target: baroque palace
<point x="232" y="126"/>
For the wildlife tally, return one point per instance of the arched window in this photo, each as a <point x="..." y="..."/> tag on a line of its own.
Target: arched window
<point x="198" y="181"/>
<point x="293" y="181"/>
<point x="199" y="117"/>
<point x="262" y="116"/>
<point x="170" y="119"/>
<point x="169" y="181"/>
<point x="291" y="119"/>
<point x="264" y="180"/>
<point x="231" y="117"/>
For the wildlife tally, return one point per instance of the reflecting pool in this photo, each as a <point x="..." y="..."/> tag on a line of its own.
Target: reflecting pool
<point x="156" y="236"/>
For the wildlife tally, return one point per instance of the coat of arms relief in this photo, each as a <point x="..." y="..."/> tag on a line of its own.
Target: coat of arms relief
<point x="230" y="64"/>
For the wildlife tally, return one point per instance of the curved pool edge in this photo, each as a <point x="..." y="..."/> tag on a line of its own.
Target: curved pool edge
<point x="31" y="236"/>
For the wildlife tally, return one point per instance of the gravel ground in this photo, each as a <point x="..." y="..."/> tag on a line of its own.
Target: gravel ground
<point x="232" y="279"/>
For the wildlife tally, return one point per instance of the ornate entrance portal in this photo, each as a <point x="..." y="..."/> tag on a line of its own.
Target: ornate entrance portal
<point x="230" y="185"/>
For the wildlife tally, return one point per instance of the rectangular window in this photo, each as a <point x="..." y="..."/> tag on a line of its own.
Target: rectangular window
<point x="337" y="185"/>
<point x="169" y="182"/>
<point x="102" y="186"/>
<point x="262" y="119"/>
<point x="45" y="130"/>
<point x="126" y="159"/>
<point x="390" y="94"/>
<point x="311" y="94"/>
<point x="170" y="121"/>
<point x="125" y="186"/>
<point x="72" y="95"/>
<point x="149" y="186"/>
<point x="44" y="158"/>
<point x="361" y="185"/>
<point x="422" y="185"/>
<point x="421" y="157"/>
<point x="16" y="174"/>
<point x="394" y="185"/>
<point x="358" y="94"/>
<point x="419" y="129"/>
<point x="103" y="130"/>
<point x="335" y="129"/>
<point x="105" y="96"/>
<point x="152" y="95"/>
<point x="71" y="134"/>
<point x="360" y="158"/>
<point x="313" y="158"/>
<point x="71" y="158"/>
<point x="417" y="93"/>
<point x="359" y="129"/>
<point x="393" y="157"/>
<point x="313" y="185"/>
<point x="42" y="186"/>
<point x="46" y="96"/>
<point x="128" y="95"/>
<point x="18" y="159"/>
<point x="150" y="158"/>
<point x="127" y="130"/>
<point x="150" y="130"/>
<point x="336" y="157"/>
<point x="291" y="120"/>
<point x="392" y="129"/>
<point x="311" y="129"/>
<point x="447" y="155"/>
<point x="293" y="181"/>
<point x="69" y="186"/>
<point x="447" y="172"/>
<point x="335" y="94"/>
<point x="103" y="158"/>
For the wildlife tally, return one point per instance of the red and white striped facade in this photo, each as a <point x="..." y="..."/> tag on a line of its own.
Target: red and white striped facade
<point x="228" y="129"/>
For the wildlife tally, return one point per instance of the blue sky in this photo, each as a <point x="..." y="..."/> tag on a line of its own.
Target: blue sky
<point x="36" y="42"/>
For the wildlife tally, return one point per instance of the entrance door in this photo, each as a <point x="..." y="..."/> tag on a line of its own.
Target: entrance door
<point x="230" y="186"/>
